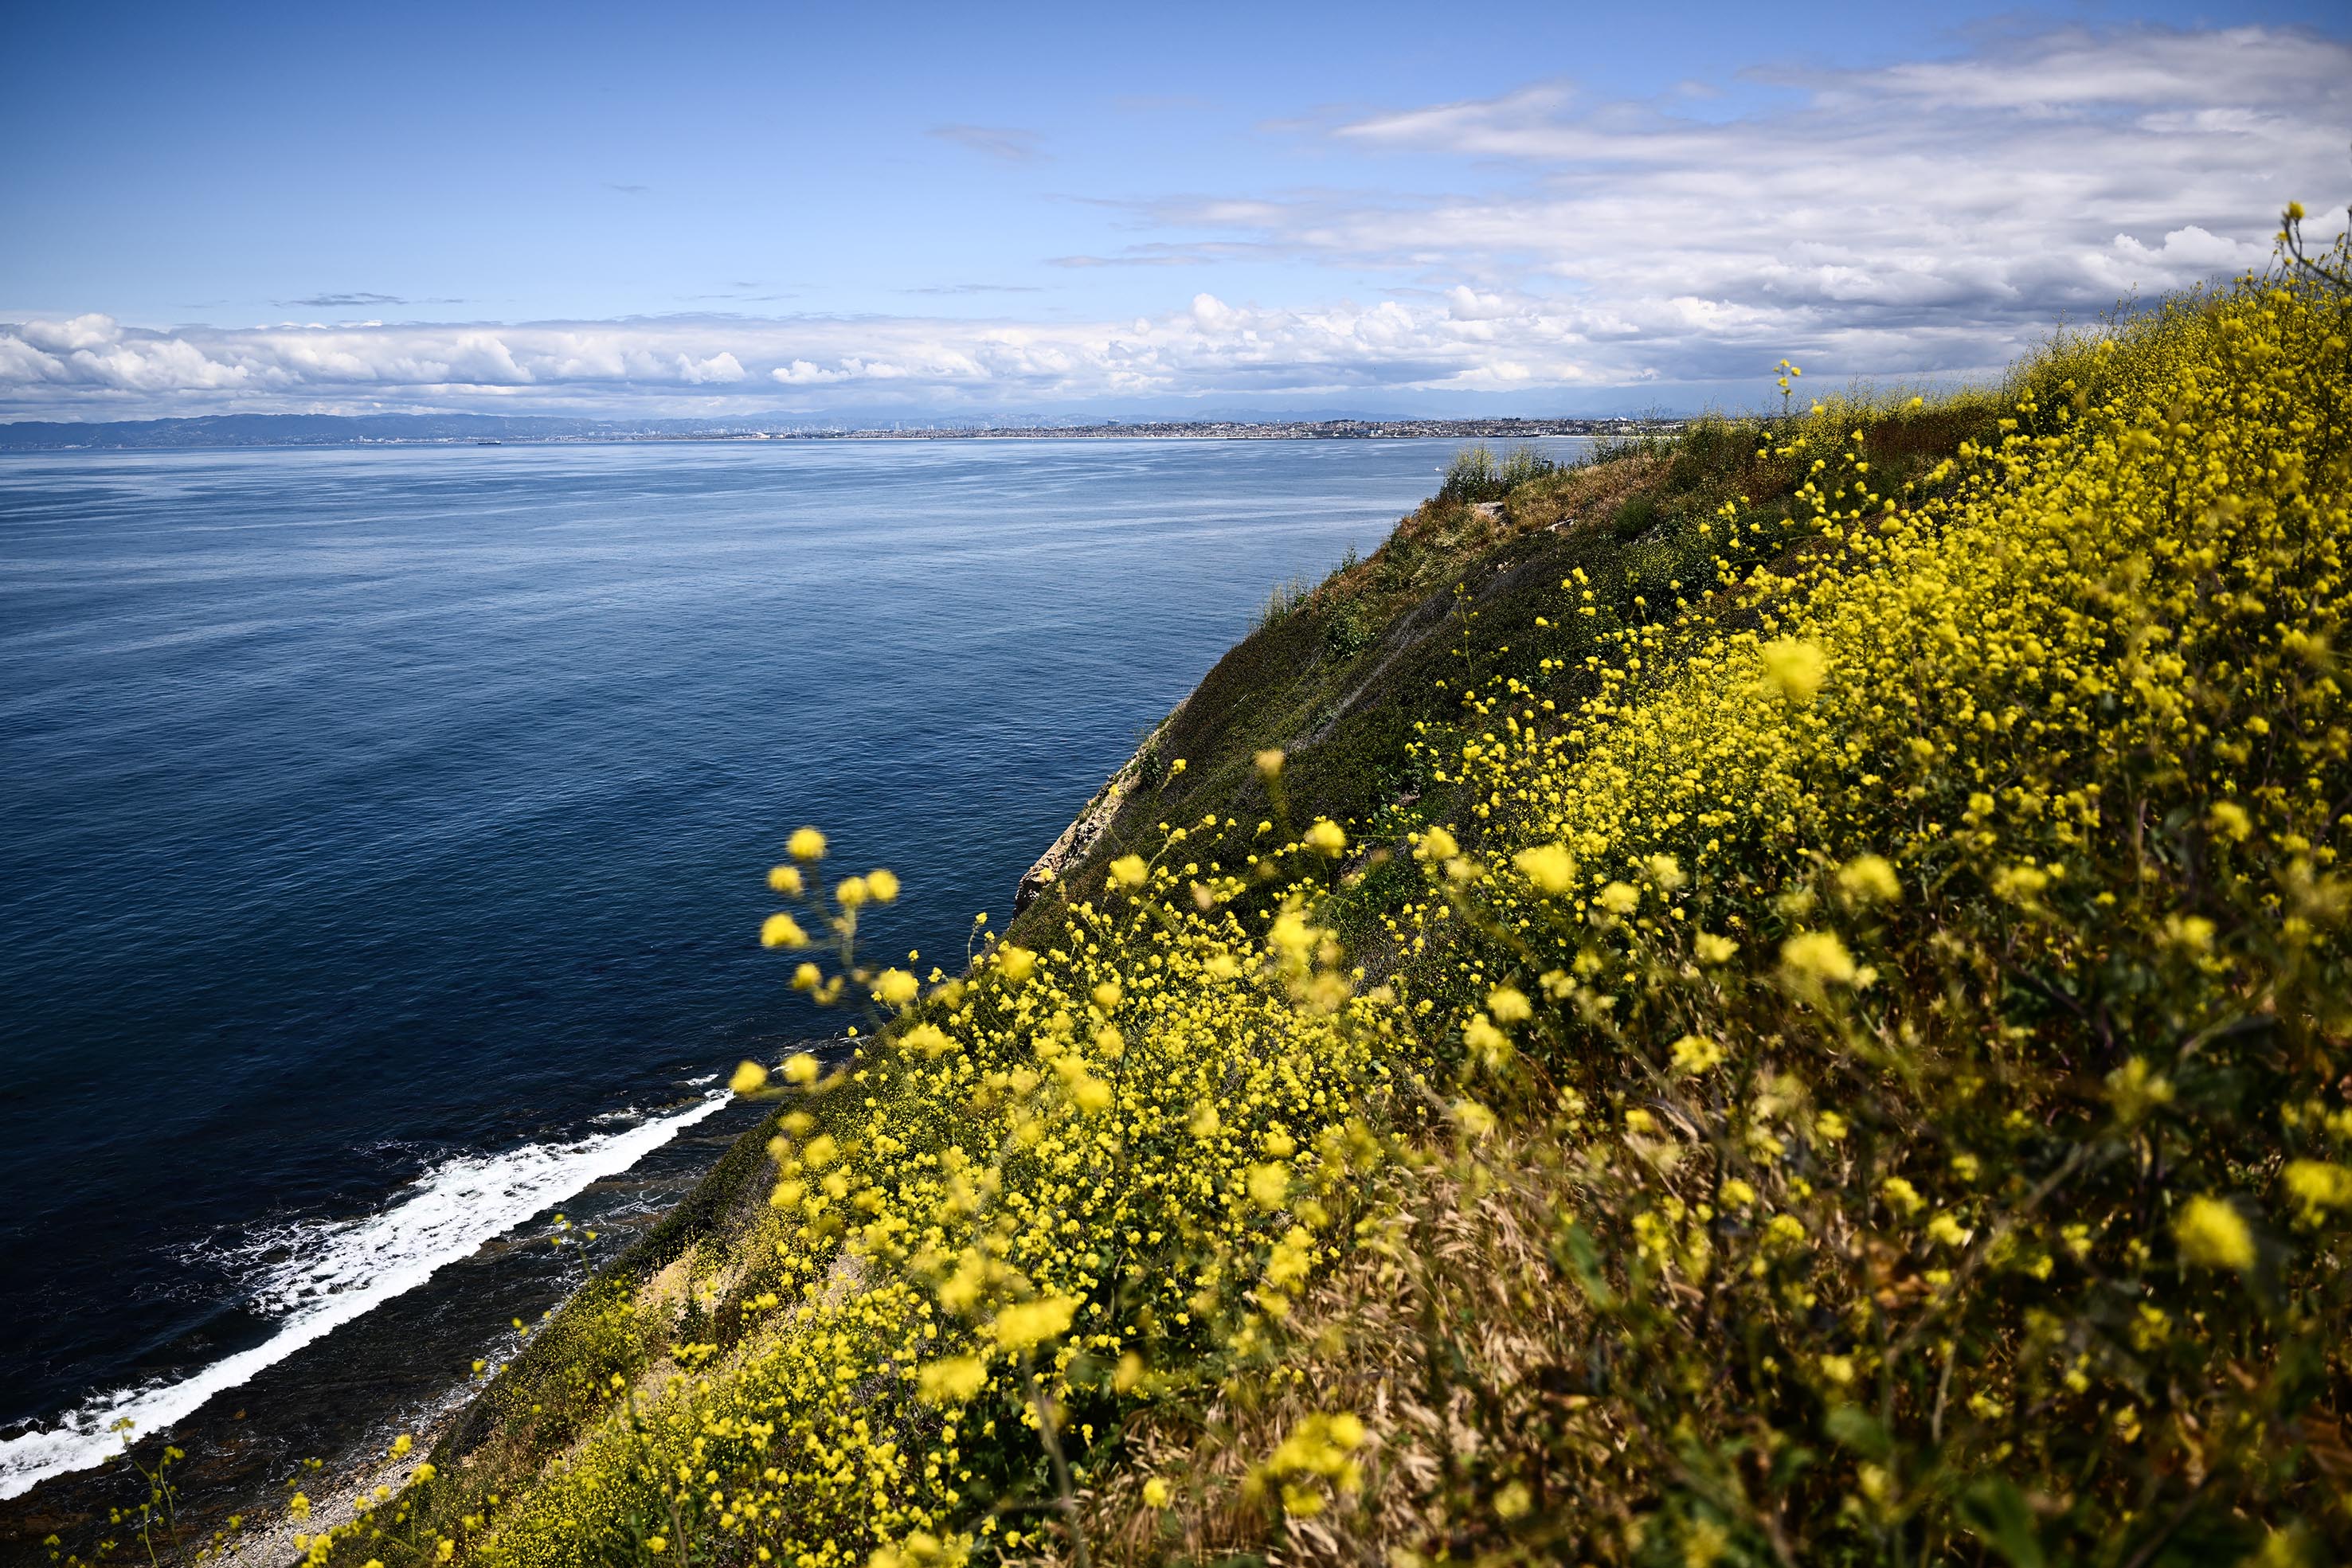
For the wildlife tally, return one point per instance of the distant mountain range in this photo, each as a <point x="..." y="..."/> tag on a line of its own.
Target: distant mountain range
<point x="348" y="430"/>
<point x="340" y="430"/>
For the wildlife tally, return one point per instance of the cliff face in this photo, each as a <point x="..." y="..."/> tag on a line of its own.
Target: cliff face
<point x="1087" y="828"/>
<point x="1340" y="680"/>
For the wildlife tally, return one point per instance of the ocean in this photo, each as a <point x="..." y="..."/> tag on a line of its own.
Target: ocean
<point x="385" y="831"/>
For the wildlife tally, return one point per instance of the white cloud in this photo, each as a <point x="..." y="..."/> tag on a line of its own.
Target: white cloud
<point x="67" y="336"/>
<point x="1928" y="217"/>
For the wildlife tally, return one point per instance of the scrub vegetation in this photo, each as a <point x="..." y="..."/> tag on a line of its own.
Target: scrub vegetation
<point x="1778" y="996"/>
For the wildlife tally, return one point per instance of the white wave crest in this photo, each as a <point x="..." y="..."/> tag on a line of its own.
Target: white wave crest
<point x="338" y="1271"/>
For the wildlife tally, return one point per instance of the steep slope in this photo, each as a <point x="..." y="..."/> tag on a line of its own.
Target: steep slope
<point x="1783" y="999"/>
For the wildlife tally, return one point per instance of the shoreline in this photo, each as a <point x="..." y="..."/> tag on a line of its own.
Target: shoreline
<point x="1348" y="430"/>
<point x="342" y="1397"/>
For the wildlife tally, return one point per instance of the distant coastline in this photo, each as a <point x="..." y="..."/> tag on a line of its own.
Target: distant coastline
<point x="468" y="430"/>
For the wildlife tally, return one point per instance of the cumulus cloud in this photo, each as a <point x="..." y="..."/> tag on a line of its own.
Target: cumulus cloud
<point x="1968" y="201"/>
<point x="1927" y="218"/>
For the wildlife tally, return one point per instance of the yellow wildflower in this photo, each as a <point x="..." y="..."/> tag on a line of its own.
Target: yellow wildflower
<point x="1869" y="879"/>
<point x="2209" y="1231"/>
<point x="1818" y="956"/>
<point x="1029" y="1323"/>
<point x="1795" y="668"/>
<point x="1269" y="1186"/>
<point x="2318" y="1184"/>
<point x="1550" y="867"/>
<point x="954" y="1380"/>
<point x="1695" y="1054"/>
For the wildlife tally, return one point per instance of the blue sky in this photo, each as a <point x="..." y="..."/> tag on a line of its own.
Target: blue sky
<point x="960" y="210"/>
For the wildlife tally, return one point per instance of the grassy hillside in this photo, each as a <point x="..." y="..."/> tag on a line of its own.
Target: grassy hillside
<point x="1777" y="997"/>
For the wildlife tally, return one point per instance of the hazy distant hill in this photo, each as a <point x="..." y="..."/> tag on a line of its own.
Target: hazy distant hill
<point x="319" y="430"/>
<point x="339" y="430"/>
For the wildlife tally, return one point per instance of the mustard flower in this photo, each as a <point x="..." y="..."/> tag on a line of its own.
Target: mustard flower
<point x="1548" y="867"/>
<point x="1269" y="1186"/>
<point x="749" y="1077"/>
<point x="883" y="884"/>
<point x="785" y="879"/>
<point x="2210" y="1231"/>
<point x="1818" y="956"/>
<point x="1869" y="879"/>
<point x="1795" y="668"/>
<point x="806" y="844"/>
<point x="953" y="1381"/>
<point x="1030" y="1323"/>
<point x="2318" y="1184"/>
<point x="2019" y="884"/>
<point x="1327" y="838"/>
<point x="781" y="930"/>
<point x="2134" y="1089"/>
<point x="1695" y="1054"/>
<point x="1130" y="871"/>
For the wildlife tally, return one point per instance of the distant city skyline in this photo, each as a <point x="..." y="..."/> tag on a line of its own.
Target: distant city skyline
<point x="931" y="212"/>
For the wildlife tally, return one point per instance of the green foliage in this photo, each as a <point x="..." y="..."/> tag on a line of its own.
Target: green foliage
<point x="1477" y="475"/>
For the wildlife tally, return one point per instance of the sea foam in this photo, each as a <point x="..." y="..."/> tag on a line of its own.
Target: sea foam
<point x="334" y="1271"/>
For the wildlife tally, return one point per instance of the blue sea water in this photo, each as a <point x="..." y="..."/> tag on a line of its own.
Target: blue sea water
<point x="382" y="830"/>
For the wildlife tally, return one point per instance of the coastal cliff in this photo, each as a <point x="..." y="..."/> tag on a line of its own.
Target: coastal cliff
<point x="1778" y="993"/>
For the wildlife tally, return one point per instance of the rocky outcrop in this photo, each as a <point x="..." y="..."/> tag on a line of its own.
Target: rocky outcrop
<point x="1069" y="852"/>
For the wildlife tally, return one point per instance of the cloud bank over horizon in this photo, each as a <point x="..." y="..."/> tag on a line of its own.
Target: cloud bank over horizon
<point x="1545" y="249"/>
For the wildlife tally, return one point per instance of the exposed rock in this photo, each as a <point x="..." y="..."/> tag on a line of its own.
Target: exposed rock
<point x="1068" y="851"/>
